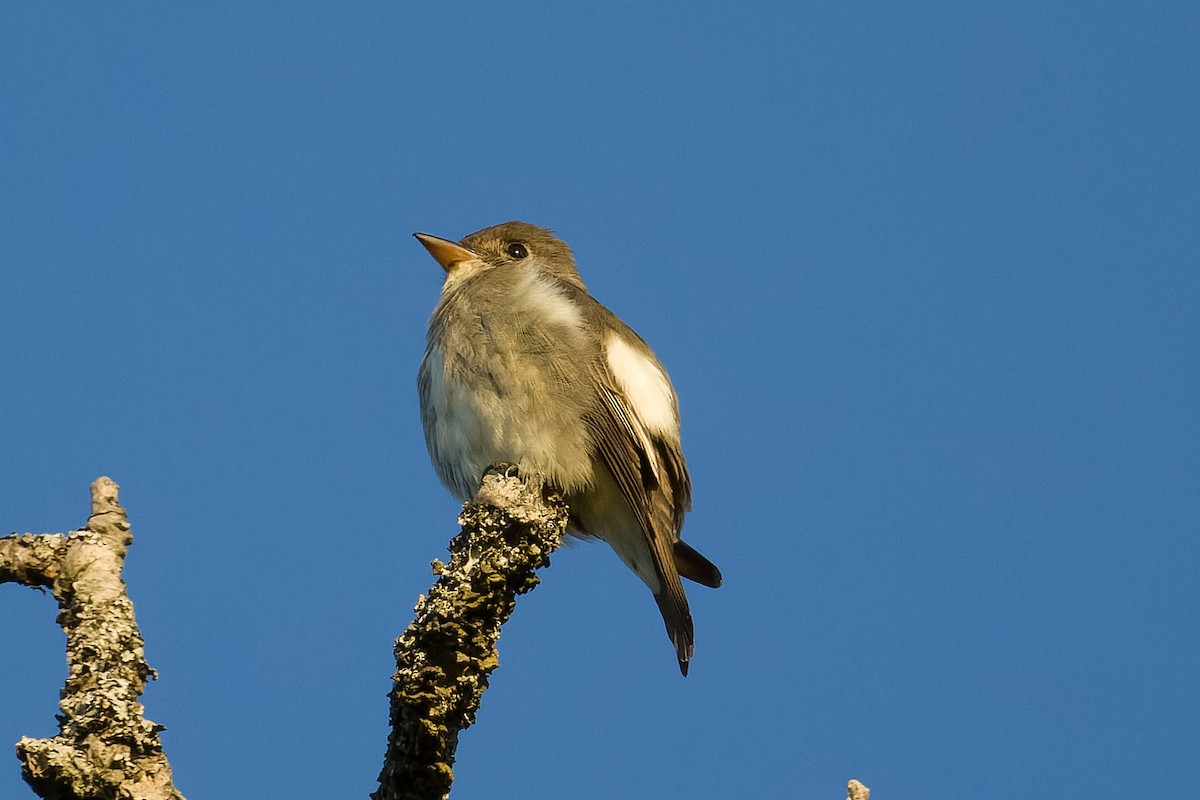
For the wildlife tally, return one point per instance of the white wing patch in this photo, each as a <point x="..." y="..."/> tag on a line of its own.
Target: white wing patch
<point x="644" y="383"/>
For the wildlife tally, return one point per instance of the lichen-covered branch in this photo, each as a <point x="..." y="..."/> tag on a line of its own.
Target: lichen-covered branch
<point x="445" y="656"/>
<point x="856" y="791"/>
<point x="106" y="748"/>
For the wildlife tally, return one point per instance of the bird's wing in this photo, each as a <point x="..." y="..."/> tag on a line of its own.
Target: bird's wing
<point x="635" y="425"/>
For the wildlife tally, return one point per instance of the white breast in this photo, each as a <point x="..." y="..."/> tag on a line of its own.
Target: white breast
<point x="504" y="406"/>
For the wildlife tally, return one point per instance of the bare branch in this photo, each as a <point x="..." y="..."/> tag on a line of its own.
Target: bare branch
<point x="105" y="747"/>
<point x="445" y="656"/>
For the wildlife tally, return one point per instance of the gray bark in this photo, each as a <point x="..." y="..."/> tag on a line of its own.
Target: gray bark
<point x="105" y="747"/>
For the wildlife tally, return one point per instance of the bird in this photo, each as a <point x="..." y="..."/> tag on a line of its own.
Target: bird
<point x="522" y="365"/>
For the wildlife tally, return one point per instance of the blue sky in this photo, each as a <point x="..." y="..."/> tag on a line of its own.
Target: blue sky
<point x="926" y="278"/>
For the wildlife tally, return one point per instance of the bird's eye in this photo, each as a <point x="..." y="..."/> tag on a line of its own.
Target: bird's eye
<point x="517" y="250"/>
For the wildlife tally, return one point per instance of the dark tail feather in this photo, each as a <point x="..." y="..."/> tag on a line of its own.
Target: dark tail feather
<point x="696" y="567"/>
<point x="673" y="606"/>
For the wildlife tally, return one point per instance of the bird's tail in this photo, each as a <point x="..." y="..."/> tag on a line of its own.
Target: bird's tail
<point x="695" y="567"/>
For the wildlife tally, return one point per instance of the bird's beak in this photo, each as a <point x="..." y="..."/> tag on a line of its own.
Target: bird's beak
<point x="444" y="251"/>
